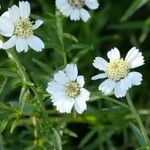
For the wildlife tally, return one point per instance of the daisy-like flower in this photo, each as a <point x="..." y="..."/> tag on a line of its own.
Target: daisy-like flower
<point x="75" y="8"/>
<point x="16" y="24"/>
<point x="118" y="71"/>
<point x="67" y="90"/>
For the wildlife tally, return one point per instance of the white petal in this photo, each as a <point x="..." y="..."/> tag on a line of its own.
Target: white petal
<point x="37" y="24"/>
<point x="6" y="26"/>
<point x="54" y="87"/>
<point x="24" y="9"/>
<point x="80" y="104"/>
<point x="35" y="43"/>
<point x="1" y="43"/>
<point x="59" y="96"/>
<point x="134" y="58"/>
<point x="135" y="78"/>
<point x="64" y="106"/>
<point x="61" y="78"/>
<point x="121" y="87"/>
<point x="10" y="43"/>
<point x="113" y="54"/>
<point x="14" y="13"/>
<point x="80" y="81"/>
<point x="71" y="71"/>
<point x="21" y="45"/>
<point x="107" y="86"/>
<point x="99" y="76"/>
<point x="84" y="14"/>
<point x="100" y="63"/>
<point x="6" y="14"/>
<point x="64" y="7"/>
<point x="75" y="14"/>
<point x="92" y="4"/>
<point x="84" y="94"/>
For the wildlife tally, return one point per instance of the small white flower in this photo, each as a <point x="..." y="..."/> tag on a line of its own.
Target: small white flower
<point x="117" y="70"/>
<point x="75" y="8"/>
<point x="16" y="24"/>
<point x="67" y="90"/>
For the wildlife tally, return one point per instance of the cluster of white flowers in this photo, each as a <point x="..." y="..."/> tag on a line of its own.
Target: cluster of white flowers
<point x="66" y="88"/>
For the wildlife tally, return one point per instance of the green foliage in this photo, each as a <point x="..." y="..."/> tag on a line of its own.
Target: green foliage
<point x="28" y="120"/>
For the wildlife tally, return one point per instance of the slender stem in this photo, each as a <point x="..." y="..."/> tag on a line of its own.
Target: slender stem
<point x="34" y="121"/>
<point x="137" y="117"/>
<point x="60" y="36"/>
<point x="12" y="55"/>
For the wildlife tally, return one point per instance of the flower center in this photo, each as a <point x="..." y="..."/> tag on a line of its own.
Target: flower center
<point x="117" y="69"/>
<point x="72" y="89"/>
<point x="77" y="3"/>
<point x="23" y="28"/>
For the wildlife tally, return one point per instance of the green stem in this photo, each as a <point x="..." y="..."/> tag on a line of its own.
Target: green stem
<point x="60" y="36"/>
<point x="12" y="55"/>
<point x="137" y="117"/>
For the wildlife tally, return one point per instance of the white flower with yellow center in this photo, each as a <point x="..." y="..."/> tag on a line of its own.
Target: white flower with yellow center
<point x="16" y="24"/>
<point x="117" y="70"/>
<point x="67" y="90"/>
<point x="75" y="8"/>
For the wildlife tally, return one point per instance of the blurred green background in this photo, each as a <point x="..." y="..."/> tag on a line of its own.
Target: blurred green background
<point x="104" y="126"/>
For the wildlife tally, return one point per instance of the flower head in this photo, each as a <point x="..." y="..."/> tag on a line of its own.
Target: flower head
<point x="118" y="71"/>
<point x="75" y="8"/>
<point x="67" y="90"/>
<point x="16" y="24"/>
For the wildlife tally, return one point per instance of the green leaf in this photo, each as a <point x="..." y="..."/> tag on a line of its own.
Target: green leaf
<point x="138" y="134"/>
<point x="144" y="148"/>
<point x="57" y="140"/>
<point x="87" y="138"/>
<point x="71" y="37"/>
<point x="7" y="72"/>
<point x="137" y="4"/>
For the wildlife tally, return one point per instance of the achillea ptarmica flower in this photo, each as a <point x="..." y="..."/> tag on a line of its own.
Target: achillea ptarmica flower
<point x="67" y="90"/>
<point x="75" y="8"/>
<point x="16" y="24"/>
<point x="117" y="70"/>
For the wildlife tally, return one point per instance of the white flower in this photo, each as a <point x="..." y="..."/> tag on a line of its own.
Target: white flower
<point x="67" y="90"/>
<point x="16" y="24"/>
<point x="1" y="43"/>
<point x="117" y="70"/>
<point x="75" y="8"/>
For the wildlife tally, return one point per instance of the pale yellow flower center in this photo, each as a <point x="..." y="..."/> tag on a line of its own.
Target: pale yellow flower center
<point x="117" y="69"/>
<point x="77" y="3"/>
<point x="24" y="28"/>
<point x="72" y="89"/>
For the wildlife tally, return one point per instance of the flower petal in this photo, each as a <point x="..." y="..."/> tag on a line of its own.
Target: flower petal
<point x="64" y="7"/>
<point x="64" y="106"/>
<point x="135" y="78"/>
<point x="100" y="63"/>
<point x="113" y="54"/>
<point x="75" y="14"/>
<point x="24" y="9"/>
<point x="14" y="13"/>
<point x="6" y="26"/>
<point x="37" y="24"/>
<point x="21" y="45"/>
<point x="80" y="81"/>
<point x="99" y="76"/>
<point x="121" y="87"/>
<point x="107" y="86"/>
<point x="84" y="14"/>
<point x="35" y="43"/>
<point x="10" y="43"/>
<point x="71" y="71"/>
<point x="54" y="87"/>
<point x="134" y="58"/>
<point x="92" y="4"/>
<point x="60" y="77"/>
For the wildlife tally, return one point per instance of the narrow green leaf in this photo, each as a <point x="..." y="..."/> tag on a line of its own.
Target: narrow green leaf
<point x="87" y="138"/>
<point x="137" y="4"/>
<point x="57" y="140"/>
<point x="71" y="37"/>
<point x="138" y="134"/>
